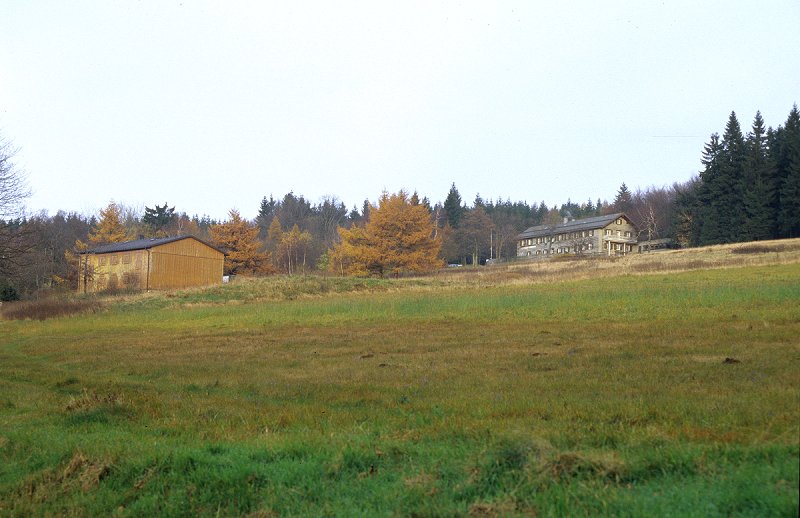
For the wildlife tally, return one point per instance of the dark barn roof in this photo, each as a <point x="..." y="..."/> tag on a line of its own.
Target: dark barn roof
<point x="143" y="244"/>
<point x="571" y="226"/>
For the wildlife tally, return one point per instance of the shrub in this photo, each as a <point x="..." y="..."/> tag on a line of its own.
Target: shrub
<point x="7" y="292"/>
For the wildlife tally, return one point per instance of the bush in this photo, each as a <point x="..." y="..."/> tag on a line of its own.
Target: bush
<point x="7" y="292"/>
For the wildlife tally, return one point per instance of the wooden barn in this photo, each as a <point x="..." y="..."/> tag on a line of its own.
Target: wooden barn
<point x="151" y="264"/>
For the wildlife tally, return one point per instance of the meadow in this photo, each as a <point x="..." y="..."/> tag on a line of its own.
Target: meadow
<point x="665" y="386"/>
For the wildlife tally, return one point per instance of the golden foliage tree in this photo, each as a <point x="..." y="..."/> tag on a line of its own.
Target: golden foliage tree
<point x="293" y="247"/>
<point x="109" y="229"/>
<point x="397" y="238"/>
<point x="239" y="238"/>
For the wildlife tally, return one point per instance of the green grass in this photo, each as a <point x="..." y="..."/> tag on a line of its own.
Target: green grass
<point x="346" y="397"/>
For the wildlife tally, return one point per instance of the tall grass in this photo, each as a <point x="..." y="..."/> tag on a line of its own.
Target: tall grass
<point x="296" y="397"/>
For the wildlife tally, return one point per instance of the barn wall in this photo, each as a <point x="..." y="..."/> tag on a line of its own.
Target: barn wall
<point x="118" y="270"/>
<point x="184" y="263"/>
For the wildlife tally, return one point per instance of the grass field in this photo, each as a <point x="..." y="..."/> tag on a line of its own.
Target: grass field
<point x="603" y="390"/>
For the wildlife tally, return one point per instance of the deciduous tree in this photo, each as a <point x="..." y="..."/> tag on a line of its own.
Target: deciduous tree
<point x="397" y="238"/>
<point x="109" y="228"/>
<point x="239" y="238"/>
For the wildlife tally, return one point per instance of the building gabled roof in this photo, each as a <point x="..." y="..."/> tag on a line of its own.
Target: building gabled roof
<point x="572" y="226"/>
<point x="143" y="244"/>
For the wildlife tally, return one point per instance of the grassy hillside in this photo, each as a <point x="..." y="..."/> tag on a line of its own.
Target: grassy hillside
<point x="503" y="392"/>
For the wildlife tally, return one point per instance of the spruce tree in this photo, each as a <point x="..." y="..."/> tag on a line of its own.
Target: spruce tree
<point x="730" y="200"/>
<point x="788" y="165"/>
<point x="623" y="202"/>
<point x="453" y="208"/>
<point x="758" y="186"/>
<point x="711" y="221"/>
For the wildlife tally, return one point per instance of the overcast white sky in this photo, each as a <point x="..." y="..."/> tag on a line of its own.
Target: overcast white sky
<point x="213" y="105"/>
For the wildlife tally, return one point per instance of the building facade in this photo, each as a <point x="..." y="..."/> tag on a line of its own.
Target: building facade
<point x="151" y="264"/>
<point x="613" y="234"/>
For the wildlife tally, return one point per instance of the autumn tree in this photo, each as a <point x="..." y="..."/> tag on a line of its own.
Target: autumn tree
<point x="293" y="249"/>
<point x="397" y="238"/>
<point x="109" y="228"/>
<point x="239" y="238"/>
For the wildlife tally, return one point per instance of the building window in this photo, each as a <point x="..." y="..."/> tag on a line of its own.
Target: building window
<point x="608" y="232"/>
<point x="102" y="261"/>
<point x="619" y="233"/>
<point x="591" y="232"/>
<point x="627" y="233"/>
<point x="114" y="259"/>
<point x="126" y="259"/>
<point x="619" y="221"/>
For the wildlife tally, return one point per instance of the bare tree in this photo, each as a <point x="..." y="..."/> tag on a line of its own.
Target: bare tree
<point x="15" y="240"/>
<point x="13" y="187"/>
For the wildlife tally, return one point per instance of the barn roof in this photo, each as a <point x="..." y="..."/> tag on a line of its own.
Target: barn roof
<point x="143" y="244"/>
<point x="572" y="226"/>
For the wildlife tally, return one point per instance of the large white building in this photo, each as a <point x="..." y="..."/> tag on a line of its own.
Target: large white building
<point x="613" y="234"/>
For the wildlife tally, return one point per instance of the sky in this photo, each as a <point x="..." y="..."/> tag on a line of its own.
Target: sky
<point x="210" y="106"/>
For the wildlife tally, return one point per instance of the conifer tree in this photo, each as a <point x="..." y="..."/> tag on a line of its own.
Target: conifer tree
<point x="758" y="188"/>
<point x="158" y="218"/>
<point x="711" y="222"/>
<point x="788" y="165"/>
<point x="623" y="202"/>
<point x="729" y="197"/>
<point x="453" y="208"/>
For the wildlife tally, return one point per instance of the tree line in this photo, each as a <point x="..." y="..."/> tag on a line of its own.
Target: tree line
<point x="748" y="189"/>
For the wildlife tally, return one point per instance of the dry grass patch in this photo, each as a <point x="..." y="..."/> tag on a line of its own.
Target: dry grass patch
<point x="47" y="308"/>
<point x="79" y="472"/>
